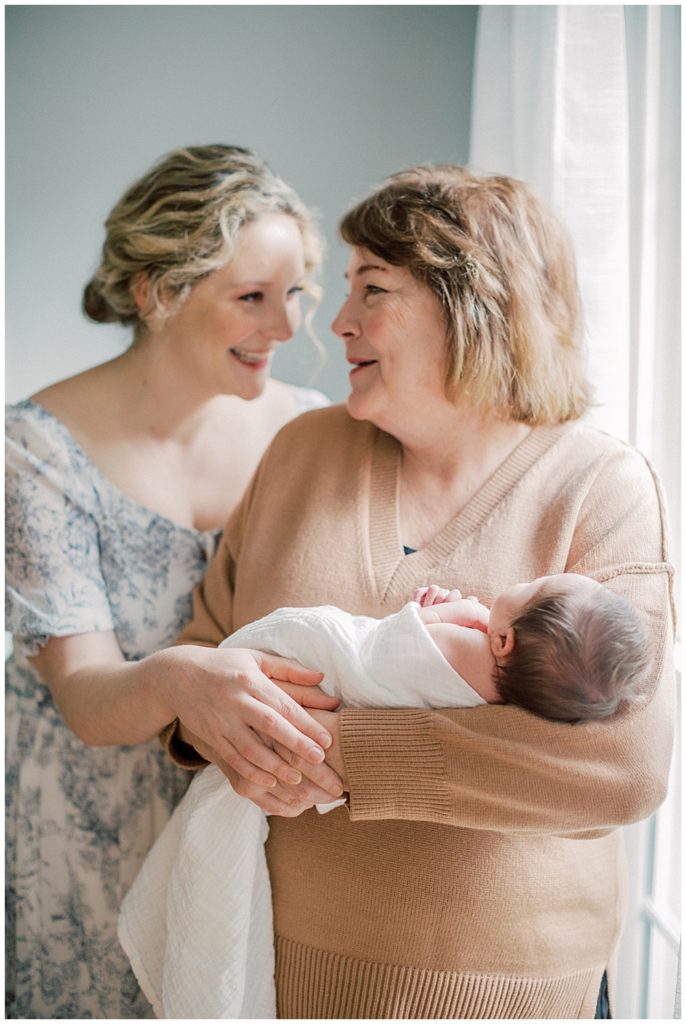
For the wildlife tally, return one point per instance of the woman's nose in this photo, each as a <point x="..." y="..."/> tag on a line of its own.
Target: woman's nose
<point x="344" y="324"/>
<point x="282" y="324"/>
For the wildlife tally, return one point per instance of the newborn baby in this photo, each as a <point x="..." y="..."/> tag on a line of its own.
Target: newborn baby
<point x="564" y="647"/>
<point x="197" y="923"/>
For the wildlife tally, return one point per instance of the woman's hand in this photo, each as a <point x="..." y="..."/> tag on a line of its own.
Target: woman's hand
<point x="226" y="697"/>
<point x="331" y="721"/>
<point x="284" y="799"/>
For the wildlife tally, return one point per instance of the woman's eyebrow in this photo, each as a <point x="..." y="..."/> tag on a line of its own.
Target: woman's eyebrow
<point x="364" y="267"/>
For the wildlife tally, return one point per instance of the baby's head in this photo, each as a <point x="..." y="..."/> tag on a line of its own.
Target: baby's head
<point x="566" y="648"/>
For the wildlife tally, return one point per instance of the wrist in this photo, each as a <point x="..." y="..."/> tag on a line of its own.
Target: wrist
<point x="163" y="679"/>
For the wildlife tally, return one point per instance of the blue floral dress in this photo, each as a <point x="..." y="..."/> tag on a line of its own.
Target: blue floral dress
<point x="81" y="558"/>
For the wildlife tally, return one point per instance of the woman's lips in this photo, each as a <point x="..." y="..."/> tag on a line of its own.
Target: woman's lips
<point x="359" y="365"/>
<point x="251" y="360"/>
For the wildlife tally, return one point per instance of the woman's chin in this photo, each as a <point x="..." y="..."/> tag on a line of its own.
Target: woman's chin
<point x="361" y="408"/>
<point x="357" y="408"/>
<point x="249" y="390"/>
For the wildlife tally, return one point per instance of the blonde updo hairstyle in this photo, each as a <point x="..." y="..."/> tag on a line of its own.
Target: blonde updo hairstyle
<point x="503" y="269"/>
<point x="179" y="222"/>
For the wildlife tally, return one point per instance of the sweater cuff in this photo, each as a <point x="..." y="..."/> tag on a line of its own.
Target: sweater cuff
<point x="180" y="753"/>
<point x="395" y="765"/>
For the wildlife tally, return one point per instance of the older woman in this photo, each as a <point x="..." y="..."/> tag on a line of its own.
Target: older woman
<point x="118" y="482"/>
<point x="477" y="869"/>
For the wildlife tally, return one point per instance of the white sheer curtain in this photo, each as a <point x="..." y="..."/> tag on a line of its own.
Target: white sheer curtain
<point x="550" y="106"/>
<point x="583" y="103"/>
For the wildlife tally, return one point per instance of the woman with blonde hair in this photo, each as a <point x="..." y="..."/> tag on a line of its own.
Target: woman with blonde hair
<point x="477" y="868"/>
<point x="119" y="480"/>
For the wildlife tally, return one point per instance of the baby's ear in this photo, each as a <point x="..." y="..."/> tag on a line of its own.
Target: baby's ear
<point x="502" y="644"/>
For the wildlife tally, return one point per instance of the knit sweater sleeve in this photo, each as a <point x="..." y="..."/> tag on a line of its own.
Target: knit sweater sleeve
<point x="213" y="598"/>
<point x="501" y="768"/>
<point x="212" y="602"/>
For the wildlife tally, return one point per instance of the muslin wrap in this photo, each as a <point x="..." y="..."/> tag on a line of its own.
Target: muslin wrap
<point x="197" y="922"/>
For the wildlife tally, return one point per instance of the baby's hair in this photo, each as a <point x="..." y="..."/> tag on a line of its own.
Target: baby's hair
<point x="575" y="660"/>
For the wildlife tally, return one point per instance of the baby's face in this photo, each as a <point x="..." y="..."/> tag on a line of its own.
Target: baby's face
<point x="512" y="602"/>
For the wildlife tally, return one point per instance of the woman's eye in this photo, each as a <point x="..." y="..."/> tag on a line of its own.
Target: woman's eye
<point x="373" y="289"/>
<point x="251" y="297"/>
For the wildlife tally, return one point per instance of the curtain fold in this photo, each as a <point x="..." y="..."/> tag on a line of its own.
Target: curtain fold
<point x="583" y="102"/>
<point x="653" y="48"/>
<point x="550" y="106"/>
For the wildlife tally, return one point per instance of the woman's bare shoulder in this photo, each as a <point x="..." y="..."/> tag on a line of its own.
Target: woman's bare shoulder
<point x="66" y="397"/>
<point x="86" y="403"/>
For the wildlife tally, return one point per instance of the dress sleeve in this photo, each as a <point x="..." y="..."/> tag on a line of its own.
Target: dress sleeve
<point x="54" y="582"/>
<point x="504" y="769"/>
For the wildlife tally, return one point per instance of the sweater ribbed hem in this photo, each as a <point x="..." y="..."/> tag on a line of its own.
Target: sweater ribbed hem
<point x="379" y="788"/>
<point x="312" y="983"/>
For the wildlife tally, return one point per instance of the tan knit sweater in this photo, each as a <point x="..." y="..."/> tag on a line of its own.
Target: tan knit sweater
<point x="478" y="871"/>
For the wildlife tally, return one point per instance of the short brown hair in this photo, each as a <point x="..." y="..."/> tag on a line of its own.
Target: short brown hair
<point x="503" y="269"/>
<point x="574" y="660"/>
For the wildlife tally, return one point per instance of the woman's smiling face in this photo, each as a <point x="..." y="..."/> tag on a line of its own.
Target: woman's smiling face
<point x="395" y="336"/>
<point x="226" y="332"/>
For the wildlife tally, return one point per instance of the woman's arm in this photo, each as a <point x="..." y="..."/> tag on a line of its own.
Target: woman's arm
<point x="224" y="696"/>
<point x="58" y="609"/>
<point x="293" y="793"/>
<point x="211" y="622"/>
<point x="501" y="768"/>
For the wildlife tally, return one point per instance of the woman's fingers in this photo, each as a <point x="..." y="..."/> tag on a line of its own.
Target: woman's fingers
<point x="246" y="769"/>
<point x="286" y="670"/>
<point x="238" y="768"/>
<point x="276" y="791"/>
<point x="310" y="696"/>
<point x="324" y="783"/>
<point x="248" y="754"/>
<point x="277" y="715"/>
<point x="273" y="801"/>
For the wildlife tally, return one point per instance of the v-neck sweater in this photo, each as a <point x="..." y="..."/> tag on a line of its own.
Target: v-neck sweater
<point x="477" y="870"/>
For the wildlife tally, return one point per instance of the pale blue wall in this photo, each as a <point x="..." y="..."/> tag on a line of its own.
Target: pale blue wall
<point x="334" y="97"/>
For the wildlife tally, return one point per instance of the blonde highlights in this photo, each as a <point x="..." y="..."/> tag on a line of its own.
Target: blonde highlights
<point x="503" y="269"/>
<point x="179" y="222"/>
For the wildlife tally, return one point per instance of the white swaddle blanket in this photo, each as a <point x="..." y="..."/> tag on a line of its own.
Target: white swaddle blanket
<point x="197" y="922"/>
